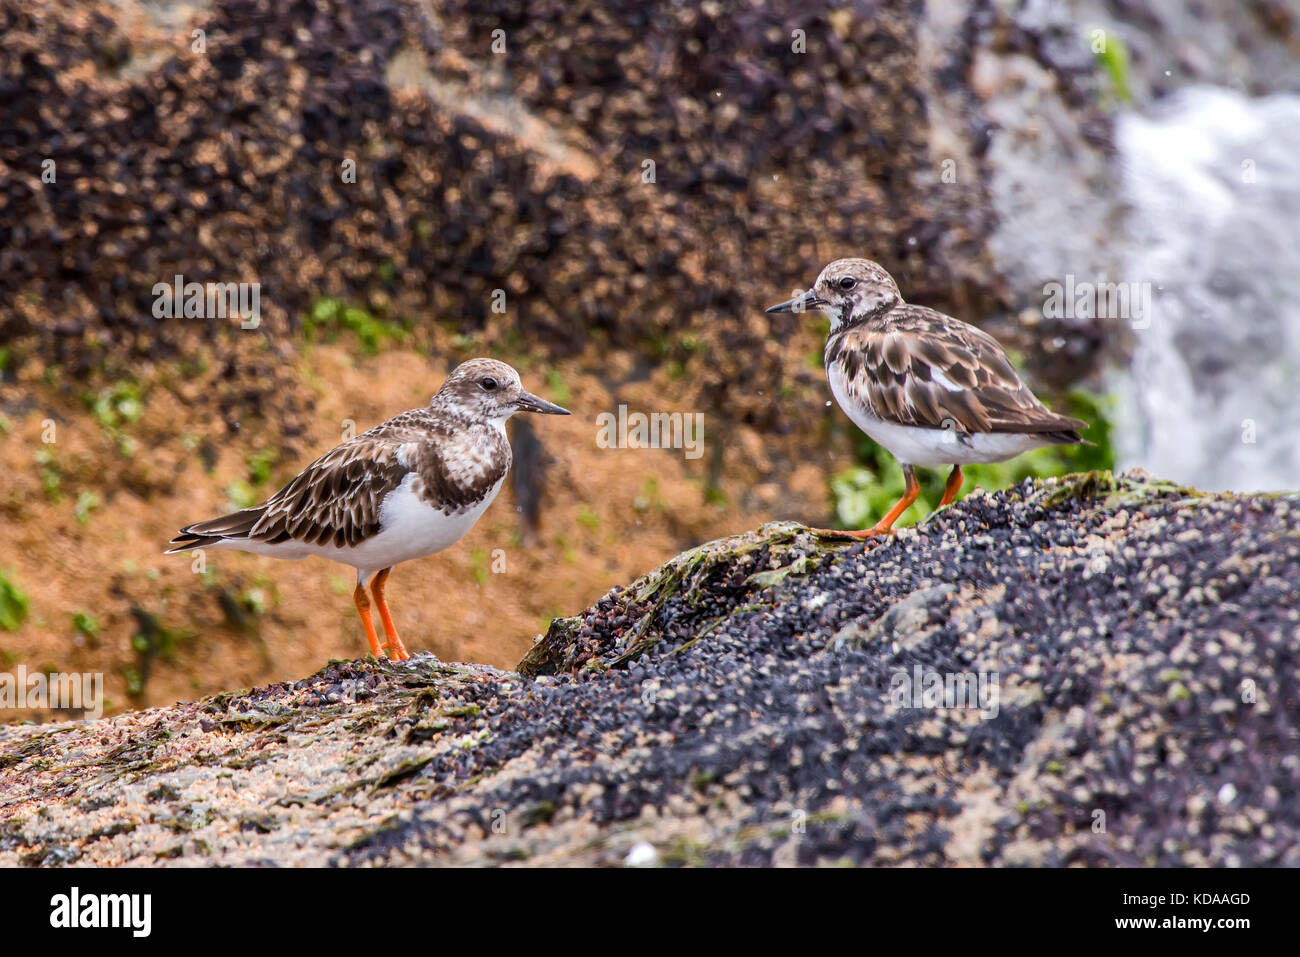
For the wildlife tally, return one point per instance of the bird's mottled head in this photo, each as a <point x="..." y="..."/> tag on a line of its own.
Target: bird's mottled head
<point x="848" y="290"/>
<point x="486" y="389"/>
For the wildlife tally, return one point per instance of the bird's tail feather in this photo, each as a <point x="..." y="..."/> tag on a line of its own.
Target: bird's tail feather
<point x="1064" y="438"/>
<point x="235" y="526"/>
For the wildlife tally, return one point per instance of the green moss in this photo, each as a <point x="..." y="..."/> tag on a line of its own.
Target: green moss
<point x="540" y="813"/>
<point x="790" y="548"/>
<point x="50" y="473"/>
<point x="87" y="502"/>
<point x="1113" y="491"/>
<point x="254" y="599"/>
<point x="152" y="640"/>
<point x="462" y="711"/>
<point x="559" y="390"/>
<point x="649" y="497"/>
<point x="116" y="406"/>
<point x="259" y="466"/>
<point x="14" y="604"/>
<point x="241" y="494"/>
<point x="1114" y="62"/>
<point x="478" y="560"/>
<point x="328" y="317"/>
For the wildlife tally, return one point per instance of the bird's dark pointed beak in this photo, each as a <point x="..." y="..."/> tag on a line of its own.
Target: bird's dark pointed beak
<point x="800" y="303"/>
<point x="531" y="403"/>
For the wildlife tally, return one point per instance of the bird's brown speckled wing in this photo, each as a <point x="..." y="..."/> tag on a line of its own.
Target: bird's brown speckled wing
<point x="921" y="368"/>
<point x="336" y="499"/>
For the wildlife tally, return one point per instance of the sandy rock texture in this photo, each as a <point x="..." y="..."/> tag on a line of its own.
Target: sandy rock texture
<point x="739" y="705"/>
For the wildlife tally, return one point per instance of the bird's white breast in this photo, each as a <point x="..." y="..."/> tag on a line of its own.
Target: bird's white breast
<point x="411" y="527"/>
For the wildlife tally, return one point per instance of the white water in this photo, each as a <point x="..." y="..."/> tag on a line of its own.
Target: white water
<point x="1221" y="357"/>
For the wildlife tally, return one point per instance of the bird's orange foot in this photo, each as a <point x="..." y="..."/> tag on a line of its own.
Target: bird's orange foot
<point x="396" y="650"/>
<point x="886" y="525"/>
<point x="873" y="531"/>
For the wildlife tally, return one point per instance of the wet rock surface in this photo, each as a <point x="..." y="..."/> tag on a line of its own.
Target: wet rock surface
<point x="741" y="705"/>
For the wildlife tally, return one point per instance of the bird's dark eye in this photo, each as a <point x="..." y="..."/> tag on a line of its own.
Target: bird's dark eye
<point x="489" y="384"/>
<point x="847" y="283"/>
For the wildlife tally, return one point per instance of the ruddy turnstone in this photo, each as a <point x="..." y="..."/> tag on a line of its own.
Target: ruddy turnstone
<point x="932" y="390"/>
<point x="407" y="488"/>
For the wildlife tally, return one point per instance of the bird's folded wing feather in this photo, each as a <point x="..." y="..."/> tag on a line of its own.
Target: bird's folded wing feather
<point x="925" y="370"/>
<point x="336" y="499"/>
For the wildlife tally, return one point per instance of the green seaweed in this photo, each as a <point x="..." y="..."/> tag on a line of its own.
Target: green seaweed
<point x="792" y="550"/>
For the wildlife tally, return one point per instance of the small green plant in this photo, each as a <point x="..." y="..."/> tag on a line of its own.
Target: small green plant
<point x="555" y="382"/>
<point x="87" y="502"/>
<point x="51" y="474"/>
<point x="478" y="560"/>
<point x="330" y="316"/>
<point x="85" y="623"/>
<point x="241" y="494"/>
<point x="152" y="639"/>
<point x="817" y="357"/>
<point x="649" y="497"/>
<point x="120" y="404"/>
<point x="587" y="517"/>
<point x="193" y="367"/>
<point x="254" y="599"/>
<point x="13" y="604"/>
<point x="1113" y="58"/>
<point x="116" y="407"/>
<point x="259" y="466"/>
<point x="134" y="681"/>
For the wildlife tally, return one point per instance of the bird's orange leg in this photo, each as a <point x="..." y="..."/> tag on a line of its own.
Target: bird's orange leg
<point x="952" y="486"/>
<point x="362" y="601"/>
<point x="396" y="649"/>
<point x="886" y="525"/>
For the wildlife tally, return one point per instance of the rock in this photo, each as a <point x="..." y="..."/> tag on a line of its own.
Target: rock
<point x="521" y="171"/>
<point x="1143" y="712"/>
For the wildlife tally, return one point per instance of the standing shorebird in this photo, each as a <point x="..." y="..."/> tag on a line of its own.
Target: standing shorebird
<point x="932" y="390"/>
<point x="405" y="489"/>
